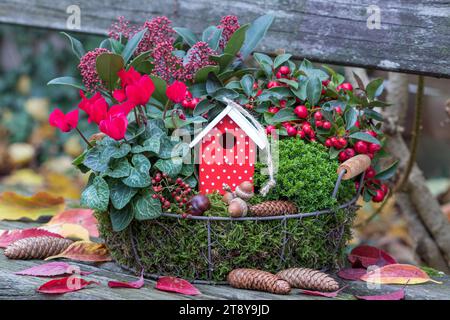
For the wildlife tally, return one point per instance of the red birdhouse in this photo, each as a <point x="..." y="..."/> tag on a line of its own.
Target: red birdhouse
<point x="227" y="151"/>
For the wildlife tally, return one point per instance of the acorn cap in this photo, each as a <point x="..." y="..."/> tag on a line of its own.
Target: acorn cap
<point x="238" y="208"/>
<point x="244" y="190"/>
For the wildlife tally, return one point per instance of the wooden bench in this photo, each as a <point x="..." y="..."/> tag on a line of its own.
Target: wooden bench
<point x="411" y="37"/>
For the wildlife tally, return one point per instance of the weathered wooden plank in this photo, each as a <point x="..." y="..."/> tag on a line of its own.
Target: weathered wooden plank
<point x="413" y="35"/>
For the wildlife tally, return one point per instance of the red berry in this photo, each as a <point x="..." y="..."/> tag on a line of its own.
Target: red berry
<point x="258" y="93"/>
<point x="373" y="147"/>
<point x="323" y="92"/>
<point x="385" y="188"/>
<point x="325" y="82"/>
<point x="372" y="133"/>
<point x="361" y="147"/>
<point x="342" y="142"/>
<point x="166" y="204"/>
<point x="328" y="143"/>
<point x="318" y="115"/>
<point x="194" y="102"/>
<point x="306" y="128"/>
<point x="188" y="94"/>
<point x="338" y="110"/>
<point x="342" y="156"/>
<point x="182" y="116"/>
<point x="272" y="84"/>
<point x="335" y="142"/>
<point x="285" y="70"/>
<point x="347" y="86"/>
<point x="350" y="152"/>
<point x="186" y="103"/>
<point x="286" y="124"/>
<point x="357" y="124"/>
<point x="319" y="123"/>
<point x="326" y="125"/>
<point x="269" y="129"/>
<point x="301" y="134"/>
<point x="184" y="215"/>
<point x="371" y="155"/>
<point x="283" y="103"/>
<point x="301" y="112"/>
<point x="255" y="85"/>
<point x="370" y="173"/>
<point x="154" y="196"/>
<point x="279" y="75"/>
<point x="291" y="131"/>
<point x="273" y="110"/>
<point x="379" y="196"/>
<point x="313" y="139"/>
<point x="312" y="134"/>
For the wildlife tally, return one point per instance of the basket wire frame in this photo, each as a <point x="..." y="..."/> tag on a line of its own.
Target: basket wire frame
<point x="210" y="233"/>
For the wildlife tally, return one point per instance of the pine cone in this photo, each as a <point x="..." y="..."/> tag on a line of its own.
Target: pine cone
<point x="273" y="208"/>
<point x="36" y="248"/>
<point x="258" y="280"/>
<point x="308" y="279"/>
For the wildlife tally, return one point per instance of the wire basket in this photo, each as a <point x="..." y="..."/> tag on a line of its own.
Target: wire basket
<point x="203" y="249"/>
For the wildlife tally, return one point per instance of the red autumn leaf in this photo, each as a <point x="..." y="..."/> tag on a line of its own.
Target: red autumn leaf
<point x="397" y="274"/>
<point x="85" y="251"/>
<point x="178" y="285"/>
<point x="8" y="237"/>
<point x="322" y="294"/>
<point x="395" y="295"/>
<point x="64" y="285"/>
<point x="133" y="285"/>
<point x="352" y="273"/>
<point x="365" y="256"/>
<point x="52" y="269"/>
<point x="82" y="217"/>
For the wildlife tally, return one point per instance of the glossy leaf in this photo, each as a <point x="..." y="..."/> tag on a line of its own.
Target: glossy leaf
<point x="51" y="269"/>
<point x="395" y="295"/>
<point x="146" y="207"/>
<point x="9" y="236"/>
<point x="365" y="256"/>
<point x="255" y="34"/>
<point x="188" y="36"/>
<point x="387" y="173"/>
<point x="14" y="206"/>
<point x="85" y="251"/>
<point x="286" y="114"/>
<point x="177" y="285"/>
<point x="364" y="137"/>
<point x="131" y="285"/>
<point x="202" y="74"/>
<point x="108" y="65"/>
<point x="139" y="176"/>
<point x="82" y="217"/>
<point x="132" y="44"/>
<point x="77" y="46"/>
<point x="203" y="107"/>
<point x="170" y="166"/>
<point x="119" y="168"/>
<point x="282" y="58"/>
<point x="211" y="36"/>
<point x="160" y="89"/>
<point x="120" y="194"/>
<point x="351" y="273"/>
<point x="374" y="88"/>
<point x="247" y="82"/>
<point x="397" y="274"/>
<point x="236" y="41"/>
<point x="67" y="81"/>
<point x="121" y="219"/>
<point x="96" y="195"/>
<point x="64" y="285"/>
<point x="313" y="90"/>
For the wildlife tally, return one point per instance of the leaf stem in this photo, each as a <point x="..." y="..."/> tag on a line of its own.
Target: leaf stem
<point x="166" y="107"/>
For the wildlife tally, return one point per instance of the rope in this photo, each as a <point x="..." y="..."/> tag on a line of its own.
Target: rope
<point x="262" y="133"/>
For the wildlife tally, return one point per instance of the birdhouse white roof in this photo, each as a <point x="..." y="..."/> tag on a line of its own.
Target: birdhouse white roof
<point x="240" y="120"/>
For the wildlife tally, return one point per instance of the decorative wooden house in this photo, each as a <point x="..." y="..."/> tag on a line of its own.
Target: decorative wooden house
<point x="227" y="151"/>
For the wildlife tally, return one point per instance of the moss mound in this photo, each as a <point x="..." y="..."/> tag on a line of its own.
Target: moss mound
<point x="169" y="246"/>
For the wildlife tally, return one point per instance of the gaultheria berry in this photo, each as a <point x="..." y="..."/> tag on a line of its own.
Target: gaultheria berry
<point x="325" y="82"/>
<point x="286" y="124"/>
<point x="347" y="86"/>
<point x="328" y="143"/>
<point x="306" y="128"/>
<point x="373" y="147"/>
<point x="283" y="103"/>
<point x="335" y="142"/>
<point x="291" y="131"/>
<point x="319" y="123"/>
<point x="301" y="134"/>
<point x="194" y="103"/>
<point x="361" y="147"/>
<point x="372" y="133"/>
<point x="273" y="110"/>
<point x="313" y="139"/>
<point x="272" y="84"/>
<point x="379" y="196"/>
<point x="255" y="85"/>
<point x="318" y="115"/>
<point x="338" y="109"/>
<point x="285" y="70"/>
<point x="370" y="173"/>
<point x="270" y="129"/>
<point x="385" y="188"/>
<point x="350" y="152"/>
<point x="186" y="103"/>
<point x="279" y="75"/>
<point x="342" y="156"/>
<point x="342" y="142"/>
<point x="301" y="112"/>
<point x="312" y="134"/>
<point x="326" y="125"/>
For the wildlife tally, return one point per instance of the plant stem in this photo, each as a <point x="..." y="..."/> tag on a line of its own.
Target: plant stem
<point x="83" y="137"/>
<point x="136" y="117"/>
<point x="143" y="115"/>
<point x="166" y="107"/>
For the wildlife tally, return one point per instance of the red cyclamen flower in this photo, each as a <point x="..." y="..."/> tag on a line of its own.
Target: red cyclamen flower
<point x="88" y="69"/>
<point x="176" y="92"/>
<point x="140" y="91"/>
<point x="115" y="125"/>
<point x="65" y="122"/>
<point x="229" y="24"/>
<point x="96" y="107"/>
<point x="128" y="76"/>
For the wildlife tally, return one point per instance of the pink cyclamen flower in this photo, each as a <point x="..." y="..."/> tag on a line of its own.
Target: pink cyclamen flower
<point x="176" y="92"/>
<point x="119" y="95"/>
<point x="140" y="91"/>
<point x="65" y="122"/>
<point x="129" y="76"/>
<point x="115" y="125"/>
<point x="96" y="107"/>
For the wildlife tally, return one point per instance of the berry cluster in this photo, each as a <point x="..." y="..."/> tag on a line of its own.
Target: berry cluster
<point x="171" y="191"/>
<point x="189" y="102"/>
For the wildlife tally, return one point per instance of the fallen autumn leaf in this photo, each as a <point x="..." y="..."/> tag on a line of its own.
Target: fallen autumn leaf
<point x="9" y="236"/>
<point x="64" y="285"/>
<point x="85" y="251"/>
<point x="177" y="285"/>
<point x="397" y="274"/>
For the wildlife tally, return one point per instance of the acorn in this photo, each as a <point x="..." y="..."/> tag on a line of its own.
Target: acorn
<point x="227" y="197"/>
<point x="244" y="190"/>
<point x="199" y="204"/>
<point x="237" y="208"/>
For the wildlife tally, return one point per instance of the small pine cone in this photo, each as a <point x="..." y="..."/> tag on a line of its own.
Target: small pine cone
<point x="36" y="248"/>
<point x="273" y="208"/>
<point x="258" y="280"/>
<point x="309" y="279"/>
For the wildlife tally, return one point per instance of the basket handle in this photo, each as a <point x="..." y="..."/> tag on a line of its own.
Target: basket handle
<point x="354" y="166"/>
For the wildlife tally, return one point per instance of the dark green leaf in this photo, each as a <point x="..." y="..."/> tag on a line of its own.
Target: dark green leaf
<point x="372" y="114"/>
<point x="359" y="81"/>
<point x="188" y="36"/>
<point x="108" y="65"/>
<point x="120" y="219"/>
<point x="202" y="74"/>
<point x="211" y="36"/>
<point x="374" y="88"/>
<point x="213" y="83"/>
<point x="119" y="168"/>
<point x="286" y="114"/>
<point x="261" y="57"/>
<point x="67" y="81"/>
<point x="140" y="172"/>
<point x="387" y="173"/>
<point x="225" y="93"/>
<point x="364" y="137"/>
<point x="255" y="34"/>
<point x="351" y="116"/>
<point x="77" y="46"/>
<point x="313" y="90"/>
<point x="279" y="60"/>
<point x="121" y="194"/>
<point x="96" y="195"/>
<point x="116" y="46"/>
<point x="150" y="145"/>
<point x="160" y="89"/>
<point x="132" y="44"/>
<point x="187" y="169"/>
<point x="236" y="41"/>
<point x="146" y="207"/>
<point x="203" y="107"/>
<point x="247" y="82"/>
<point x="95" y="159"/>
<point x="170" y="166"/>
<point x="223" y="60"/>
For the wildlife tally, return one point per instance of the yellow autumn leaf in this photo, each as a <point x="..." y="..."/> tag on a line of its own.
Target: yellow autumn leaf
<point x="68" y="230"/>
<point x="24" y="177"/>
<point x="60" y="185"/>
<point x="85" y="251"/>
<point x="14" y="206"/>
